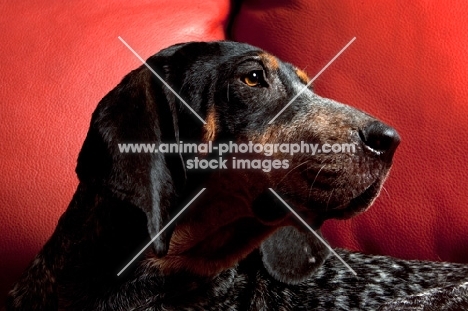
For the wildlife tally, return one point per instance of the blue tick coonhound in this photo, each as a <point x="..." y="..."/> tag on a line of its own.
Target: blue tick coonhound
<point x="237" y="246"/>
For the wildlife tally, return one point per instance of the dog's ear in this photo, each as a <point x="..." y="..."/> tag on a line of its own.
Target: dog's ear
<point x="140" y="110"/>
<point x="291" y="256"/>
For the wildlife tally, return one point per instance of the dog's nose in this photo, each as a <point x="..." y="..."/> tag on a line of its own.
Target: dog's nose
<point x="380" y="137"/>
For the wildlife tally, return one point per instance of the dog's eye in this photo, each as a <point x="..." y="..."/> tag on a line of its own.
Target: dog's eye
<point x="253" y="78"/>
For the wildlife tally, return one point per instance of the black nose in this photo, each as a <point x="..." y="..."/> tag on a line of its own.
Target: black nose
<point x="380" y="138"/>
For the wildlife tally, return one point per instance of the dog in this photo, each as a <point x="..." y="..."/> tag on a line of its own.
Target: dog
<point x="236" y="246"/>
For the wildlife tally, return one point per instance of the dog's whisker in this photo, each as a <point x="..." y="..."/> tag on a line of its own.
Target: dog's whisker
<point x="277" y="184"/>
<point x="313" y="182"/>
<point x="388" y="194"/>
<point x="329" y="198"/>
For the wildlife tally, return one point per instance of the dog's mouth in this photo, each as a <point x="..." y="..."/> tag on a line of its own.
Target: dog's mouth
<point x="337" y="190"/>
<point x="271" y="211"/>
<point x="356" y="205"/>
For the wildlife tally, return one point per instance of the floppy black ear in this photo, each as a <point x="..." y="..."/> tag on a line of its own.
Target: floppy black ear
<point x="139" y="110"/>
<point x="291" y="256"/>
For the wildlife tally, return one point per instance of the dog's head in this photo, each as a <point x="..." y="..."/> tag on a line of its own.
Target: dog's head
<point x="240" y="92"/>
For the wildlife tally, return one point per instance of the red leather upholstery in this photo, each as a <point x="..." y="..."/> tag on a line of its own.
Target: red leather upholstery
<point x="58" y="59"/>
<point x="409" y="67"/>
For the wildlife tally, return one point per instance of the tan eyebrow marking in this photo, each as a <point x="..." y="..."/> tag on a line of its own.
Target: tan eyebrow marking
<point x="302" y="76"/>
<point x="270" y="61"/>
<point x="210" y="128"/>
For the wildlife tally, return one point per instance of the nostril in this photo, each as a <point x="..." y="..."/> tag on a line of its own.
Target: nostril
<point x="380" y="137"/>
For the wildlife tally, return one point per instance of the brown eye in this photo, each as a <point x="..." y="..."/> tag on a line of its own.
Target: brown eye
<point x="253" y="78"/>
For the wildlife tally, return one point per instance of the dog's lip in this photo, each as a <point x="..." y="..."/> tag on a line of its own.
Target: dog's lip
<point x="358" y="203"/>
<point x="313" y="173"/>
<point x="320" y="179"/>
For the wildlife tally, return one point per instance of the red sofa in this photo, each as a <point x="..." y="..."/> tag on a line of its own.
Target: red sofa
<point x="408" y="66"/>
